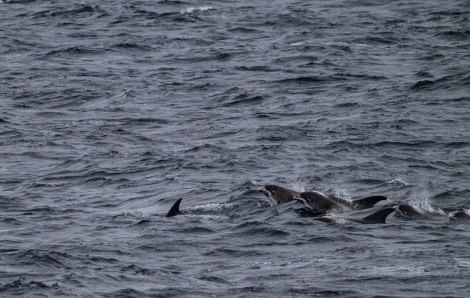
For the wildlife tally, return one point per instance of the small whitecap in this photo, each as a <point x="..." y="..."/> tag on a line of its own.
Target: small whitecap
<point x="297" y="186"/>
<point x="297" y="44"/>
<point x="143" y="212"/>
<point x="343" y="193"/>
<point x="195" y="9"/>
<point x="213" y="207"/>
<point x="212" y="217"/>
<point x="398" y="181"/>
<point x="422" y="201"/>
<point x="133" y="213"/>
<point x="10" y="230"/>
<point x="462" y="262"/>
<point x="400" y="270"/>
<point x="341" y="220"/>
<point x="338" y="43"/>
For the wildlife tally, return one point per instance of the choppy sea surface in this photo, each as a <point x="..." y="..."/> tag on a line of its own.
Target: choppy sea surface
<point x="112" y="110"/>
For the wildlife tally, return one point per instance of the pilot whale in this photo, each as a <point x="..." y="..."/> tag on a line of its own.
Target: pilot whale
<point x="278" y="194"/>
<point x="316" y="201"/>
<point x="378" y="217"/>
<point x="459" y="215"/>
<point x="414" y="212"/>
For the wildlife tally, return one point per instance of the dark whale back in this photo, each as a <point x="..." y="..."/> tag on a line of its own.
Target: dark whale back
<point x="322" y="203"/>
<point x="368" y="202"/>
<point x="378" y="217"/>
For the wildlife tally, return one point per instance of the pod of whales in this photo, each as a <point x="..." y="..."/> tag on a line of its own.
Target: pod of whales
<point x="375" y="218"/>
<point x="318" y="202"/>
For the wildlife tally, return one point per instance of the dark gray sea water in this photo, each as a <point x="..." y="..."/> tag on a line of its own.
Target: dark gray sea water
<point x="112" y="110"/>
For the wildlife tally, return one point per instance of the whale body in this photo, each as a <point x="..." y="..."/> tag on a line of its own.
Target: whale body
<point x="318" y="202"/>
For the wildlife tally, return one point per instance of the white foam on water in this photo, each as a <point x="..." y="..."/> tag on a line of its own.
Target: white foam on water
<point x="462" y="262"/>
<point x="213" y="207"/>
<point x="422" y="201"/>
<point x="208" y="216"/>
<point x="399" y="270"/>
<point x="297" y="186"/>
<point x="194" y="9"/>
<point x="11" y="230"/>
<point x="297" y="44"/>
<point x="398" y="180"/>
<point x="343" y="193"/>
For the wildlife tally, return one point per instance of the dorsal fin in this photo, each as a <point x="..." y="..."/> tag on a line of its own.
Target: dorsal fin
<point x="378" y="217"/>
<point x="367" y="202"/>
<point x="175" y="209"/>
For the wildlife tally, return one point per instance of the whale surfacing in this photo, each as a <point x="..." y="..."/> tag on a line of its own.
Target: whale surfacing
<point x="278" y="194"/>
<point x="459" y="215"/>
<point x="414" y="212"/>
<point x="318" y="202"/>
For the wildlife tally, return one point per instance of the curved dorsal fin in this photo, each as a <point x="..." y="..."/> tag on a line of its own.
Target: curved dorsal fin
<point x="175" y="209"/>
<point x="378" y="217"/>
<point x="367" y="202"/>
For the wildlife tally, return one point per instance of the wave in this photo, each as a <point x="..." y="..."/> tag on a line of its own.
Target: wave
<point x="41" y="259"/>
<point x="81" y="10"/>
<point x="444" y="82"/>
<point x="131" y="46"/>
<point x="23" y="287"/>
<point x="236" y="96"/>
<point x="454" y="35"/>
<point x="75" y="51"/>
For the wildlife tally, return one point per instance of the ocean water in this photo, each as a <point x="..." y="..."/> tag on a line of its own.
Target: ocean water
<point x="112" y="110"/>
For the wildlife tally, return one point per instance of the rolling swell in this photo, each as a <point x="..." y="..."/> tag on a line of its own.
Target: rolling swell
<point x="112" y="112"/>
